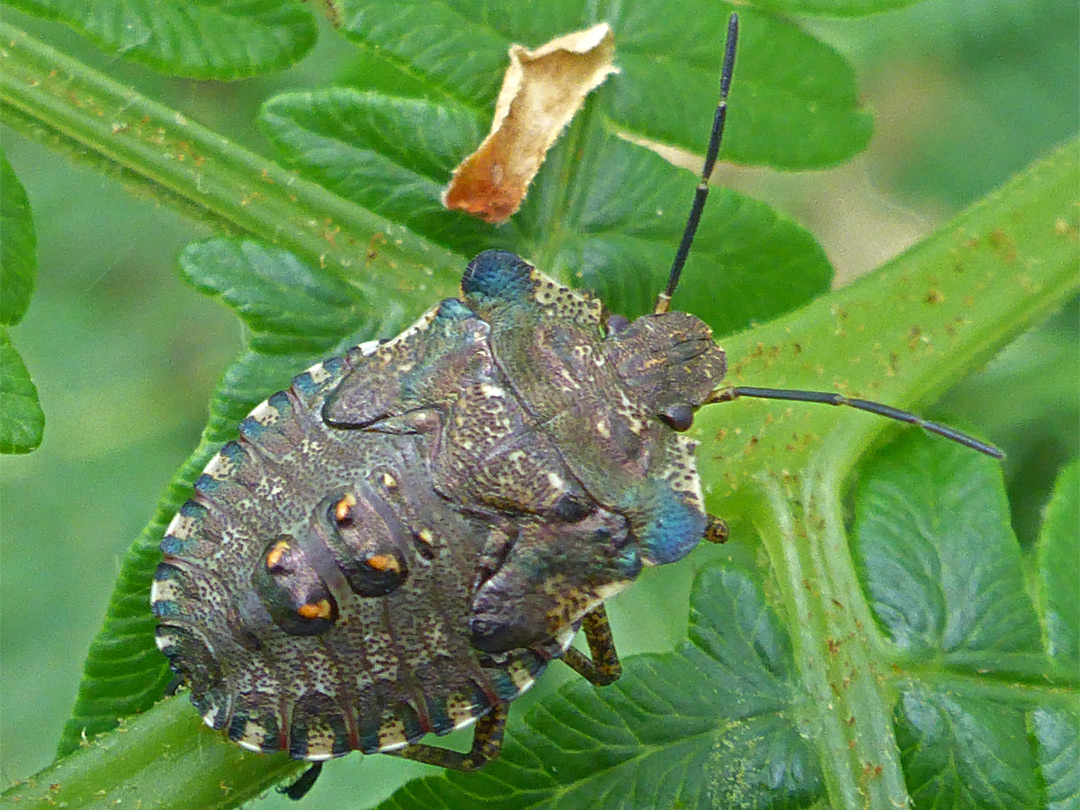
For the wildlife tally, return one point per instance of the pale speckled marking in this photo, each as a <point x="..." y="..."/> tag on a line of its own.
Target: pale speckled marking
<point x="609" y="590"/>
<point x="682" y="473"/>
<point x="556" y="481"/>
<point x="264" y="413"/>
<point x="630" y="411"/>
<point x="219" y="468"/>
<point x="422" y="324"/>
<point x="163" y="590"/>
<point x="520" y="676"/>
<point x="252" y="731"/>
<point x="492" y="391"/>
<point x="320" y="745"/>
<point x="180" y="526"/>
<point x="318" y="373"/>
<point x="574" y="304"/>
<point x="460" y="710"/>
<point x="164" y="641"/>
<point x="210" y="718"/>
<point x="391" y="734"/>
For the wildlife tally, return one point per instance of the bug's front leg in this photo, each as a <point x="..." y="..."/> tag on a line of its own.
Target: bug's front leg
<point x="603" y="667"/>
<point x="487" y="742"/>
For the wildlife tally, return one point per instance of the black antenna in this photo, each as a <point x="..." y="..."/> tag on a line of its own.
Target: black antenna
<point x="821" y="397"/>
<point x="702" y="191"/>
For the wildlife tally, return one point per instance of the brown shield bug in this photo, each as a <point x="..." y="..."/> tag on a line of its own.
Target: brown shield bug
<point x="401" y="541"/>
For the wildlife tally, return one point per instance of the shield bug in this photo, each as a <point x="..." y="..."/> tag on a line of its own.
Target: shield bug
<point x="401" y="541"/>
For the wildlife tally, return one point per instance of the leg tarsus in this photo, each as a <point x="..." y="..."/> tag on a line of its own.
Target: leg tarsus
<point x="173" y="686"/>
<point x="603" y="667"/>
<point x="299" y="789"/>
<point x="487" y="742"/>
<point x="716" y="531"/>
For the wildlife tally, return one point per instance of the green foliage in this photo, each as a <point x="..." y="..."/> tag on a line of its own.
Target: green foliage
<point x="21" y="418"/>
<point x="214" y="39"/>
<point x="916" y="662"/>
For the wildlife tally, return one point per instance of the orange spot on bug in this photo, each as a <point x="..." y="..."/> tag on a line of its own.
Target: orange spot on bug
<point x="273" y="557"/>
<point x="315" y="610"/>
<point x="385" y="562"/>
<point x="343" y="510"/>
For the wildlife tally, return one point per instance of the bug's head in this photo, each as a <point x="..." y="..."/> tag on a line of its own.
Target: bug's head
<point x="669" y="361"/>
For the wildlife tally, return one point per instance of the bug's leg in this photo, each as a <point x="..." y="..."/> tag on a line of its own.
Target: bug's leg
<point x="173" y="686"/>
<point x="487" y="742"/>
<point x="299" y="789"/>
<point x="603" y="667"/>
<point x="717" y="530"/>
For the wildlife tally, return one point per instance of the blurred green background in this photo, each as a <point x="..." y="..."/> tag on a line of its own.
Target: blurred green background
<point x="965" y="92"/>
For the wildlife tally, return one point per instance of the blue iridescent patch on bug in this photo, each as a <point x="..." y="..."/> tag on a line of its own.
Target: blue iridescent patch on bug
<point x="451" y="309"/>
<point x="252" y="428"/>
<point x="206" y="484"/>
<point x="281" y="403"/>
<point x="368" y="735"/>
<point x="233" y="452"/>
<point x="504" y="685"/>
<point x="305" y="384"/>
<point x="675" y="526"/>
<point x="176" y="547"/>
<point x="193" y="510"/>
<point x="498" y="274"/>
<point x="237" y="725"/>
<point x="165" y="609"/>
<point x="167" y="573"/>
<point x="438" y="717"/>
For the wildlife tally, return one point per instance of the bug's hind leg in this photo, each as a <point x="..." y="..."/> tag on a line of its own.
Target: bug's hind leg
<point x="603" y="667"/>
<point x="487" y="742"/>
<point x="299" y="789"/>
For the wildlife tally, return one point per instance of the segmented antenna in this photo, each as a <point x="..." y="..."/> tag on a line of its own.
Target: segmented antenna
<point x="823" y="398"/>
<point x="702" y="191"/>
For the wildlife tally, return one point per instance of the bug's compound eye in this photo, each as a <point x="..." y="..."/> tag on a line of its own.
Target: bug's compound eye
<point x="678" y="417"/>
<point x="291" y="590"/>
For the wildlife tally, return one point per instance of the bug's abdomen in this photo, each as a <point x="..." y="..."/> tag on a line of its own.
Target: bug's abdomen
<point x="316" y="592"/>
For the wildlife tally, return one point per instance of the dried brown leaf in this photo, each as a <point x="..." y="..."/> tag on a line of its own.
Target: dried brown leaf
<point x="541" y="92"/>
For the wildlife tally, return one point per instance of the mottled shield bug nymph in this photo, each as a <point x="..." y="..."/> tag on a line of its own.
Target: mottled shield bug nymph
<point x="401" y="541"/>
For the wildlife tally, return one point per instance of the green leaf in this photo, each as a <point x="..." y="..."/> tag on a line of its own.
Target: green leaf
<point x="833" y="8"/>
<point x="18" y="247"/>
<point x="393" y="155"/>
<point x="1057" y="739"/>
<point x="212" y="39"/>
<point x="961" y="750"/>
<point x="21" y="419"/>
<point x="1058" y="563"/>
<point x="748" y="263"/>
<point x="787" y="82"/>
<point x="172" y="158"/>
<point x="712" y="724"/>
<point x="296" y="316"/>
<point x="943" y="575"/>
<point x="938" y="558"/>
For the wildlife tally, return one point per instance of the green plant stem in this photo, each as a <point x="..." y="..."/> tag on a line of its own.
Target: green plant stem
<point x="922" y="321"/>
<point x="165" y="759"/>
<point x="57" y="99"/>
